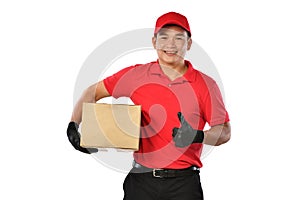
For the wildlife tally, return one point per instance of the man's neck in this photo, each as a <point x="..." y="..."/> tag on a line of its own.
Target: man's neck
<point x="173" y="72"/>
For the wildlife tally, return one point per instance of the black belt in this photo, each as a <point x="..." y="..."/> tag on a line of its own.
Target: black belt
<point x="164" y="173"/>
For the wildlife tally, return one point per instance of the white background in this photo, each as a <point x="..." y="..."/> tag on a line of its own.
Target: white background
<point x="43" y="44"/>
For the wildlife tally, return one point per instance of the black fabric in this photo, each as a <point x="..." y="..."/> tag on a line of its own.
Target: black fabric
<point x="74" y="138"/>
<point x="144" y="186"/>
<point x="186" y="135"/>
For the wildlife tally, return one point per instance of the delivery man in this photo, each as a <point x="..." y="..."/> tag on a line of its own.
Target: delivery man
<point x="177" y="101"/>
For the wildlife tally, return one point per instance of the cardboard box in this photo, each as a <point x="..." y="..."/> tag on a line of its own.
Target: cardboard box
<point x="110" y="126"/>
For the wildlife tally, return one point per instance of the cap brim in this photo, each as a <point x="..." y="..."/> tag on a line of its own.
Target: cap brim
<point x="171" y="22"/>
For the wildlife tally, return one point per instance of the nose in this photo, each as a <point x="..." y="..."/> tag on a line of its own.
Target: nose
<point x="171" y="41"/>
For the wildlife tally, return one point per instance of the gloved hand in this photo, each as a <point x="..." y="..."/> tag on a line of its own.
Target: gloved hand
<point x="74" y="138"/>
<point x="186" y="135"/>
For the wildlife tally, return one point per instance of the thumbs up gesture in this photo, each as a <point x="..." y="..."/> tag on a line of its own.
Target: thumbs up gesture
<point x="186" y="135"/>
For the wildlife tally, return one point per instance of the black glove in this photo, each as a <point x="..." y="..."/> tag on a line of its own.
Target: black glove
<point x="186" y="135"/>
<point x="74" y="138"/>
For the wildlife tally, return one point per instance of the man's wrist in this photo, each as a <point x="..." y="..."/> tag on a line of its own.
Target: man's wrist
<point x="73" y="125"/>
<point x="199" y="137"/>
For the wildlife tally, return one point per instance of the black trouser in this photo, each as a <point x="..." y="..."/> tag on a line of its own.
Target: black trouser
<point x="144" y="186"/>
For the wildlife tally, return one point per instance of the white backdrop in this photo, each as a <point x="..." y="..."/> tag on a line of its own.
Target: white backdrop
<point x="43" y="44"/>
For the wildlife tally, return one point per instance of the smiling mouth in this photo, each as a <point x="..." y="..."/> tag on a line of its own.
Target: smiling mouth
<point x="171" y="52"/>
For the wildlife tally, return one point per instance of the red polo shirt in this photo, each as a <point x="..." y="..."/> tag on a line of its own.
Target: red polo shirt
<point x="194" y="94"/>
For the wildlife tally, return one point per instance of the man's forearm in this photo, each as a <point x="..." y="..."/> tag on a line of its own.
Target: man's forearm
<point x="91" y="95"/>
<point x="217" y="135"/>
<point x="88" y="96"/>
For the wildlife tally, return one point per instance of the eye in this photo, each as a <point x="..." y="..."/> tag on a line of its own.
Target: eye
<point x="179" y="38"/>
<point x="163" y="37"/>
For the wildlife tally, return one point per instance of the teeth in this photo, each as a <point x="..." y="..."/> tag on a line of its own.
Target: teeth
<point x="171" y="52"/>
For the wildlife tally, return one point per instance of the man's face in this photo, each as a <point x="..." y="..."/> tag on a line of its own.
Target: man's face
<point x="171" y="44"/>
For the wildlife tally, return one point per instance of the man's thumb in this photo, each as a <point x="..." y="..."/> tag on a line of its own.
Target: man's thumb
<point x="181" y="117"/>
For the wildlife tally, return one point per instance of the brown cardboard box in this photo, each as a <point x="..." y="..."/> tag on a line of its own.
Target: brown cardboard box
<point x="110" y="126"/>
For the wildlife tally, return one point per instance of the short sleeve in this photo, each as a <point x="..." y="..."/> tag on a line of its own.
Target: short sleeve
<point x="214" y="110"/>
<point x="117" y="84"/>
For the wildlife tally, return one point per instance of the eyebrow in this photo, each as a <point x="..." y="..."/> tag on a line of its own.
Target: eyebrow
<point x="162" y="33"/>
<point x="180" y="34"/>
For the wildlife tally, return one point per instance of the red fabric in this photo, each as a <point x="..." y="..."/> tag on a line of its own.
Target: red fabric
<point x="172" y="18"/>
<point x="195" y="94"/>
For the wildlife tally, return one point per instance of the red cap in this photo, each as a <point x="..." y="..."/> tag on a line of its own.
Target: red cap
<point x="172" y="18"/>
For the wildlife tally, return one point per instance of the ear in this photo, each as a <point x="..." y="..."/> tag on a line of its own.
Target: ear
<point x="154" y="42"/>
<point x="189" y="44"/>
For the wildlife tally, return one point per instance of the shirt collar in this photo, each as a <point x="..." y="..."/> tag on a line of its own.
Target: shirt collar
<point x="188" y="76"/>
